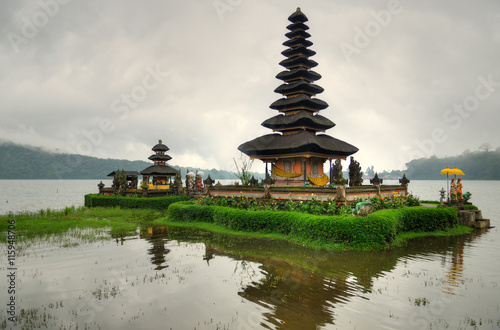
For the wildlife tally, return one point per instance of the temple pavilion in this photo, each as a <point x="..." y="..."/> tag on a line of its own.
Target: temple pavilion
<point x="295" y="150"/>
<point x="158" y="176"/>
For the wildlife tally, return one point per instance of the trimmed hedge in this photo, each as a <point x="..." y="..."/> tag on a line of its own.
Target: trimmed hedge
<point x="187" y="211"/>
<point x="422" y="218"/>
<point x="374" y="231"/>
<point x="158" y="203"/>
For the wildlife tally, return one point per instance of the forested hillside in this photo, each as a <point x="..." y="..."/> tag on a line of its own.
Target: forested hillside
<point x="26" y="162"/>
<point x="477" y="165"/>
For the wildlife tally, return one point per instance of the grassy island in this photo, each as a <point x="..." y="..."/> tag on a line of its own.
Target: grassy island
<point x="377" y="230"/>
<point x="380" y="229"/>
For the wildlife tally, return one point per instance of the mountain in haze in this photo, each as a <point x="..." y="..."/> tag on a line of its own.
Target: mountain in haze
<point x="483" y="164"/>
<point x="27" y="162"/>
<point x="476" y="165"/>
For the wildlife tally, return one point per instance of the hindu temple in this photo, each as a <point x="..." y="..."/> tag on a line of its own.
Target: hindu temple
<point x="297" y="149"/>
<point x="158" y="175"/>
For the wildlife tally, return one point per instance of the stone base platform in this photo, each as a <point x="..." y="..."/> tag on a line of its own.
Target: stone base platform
<point x="473" y="218"/>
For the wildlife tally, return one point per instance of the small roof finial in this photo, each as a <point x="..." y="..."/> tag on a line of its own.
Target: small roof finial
<point x="159" y="141"/>
<point x="298" y="8"/>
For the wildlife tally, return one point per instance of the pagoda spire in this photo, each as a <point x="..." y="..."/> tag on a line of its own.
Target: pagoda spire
<point x="298" y="121"/>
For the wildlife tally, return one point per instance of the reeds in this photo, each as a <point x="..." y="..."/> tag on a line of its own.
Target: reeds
<point x="119" y="222"/>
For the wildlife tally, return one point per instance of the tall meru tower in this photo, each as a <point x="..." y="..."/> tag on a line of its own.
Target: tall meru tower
<point x="296" y="151"/>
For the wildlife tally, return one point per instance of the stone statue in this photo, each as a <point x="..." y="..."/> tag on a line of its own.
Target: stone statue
<point x="459" y="188"/>
<point x="177" y="185"/>
<point x="362" y="208"/>
<point x="199" y="182"/>
<point x="453" y="190"/>
<point x="253" y="181"/>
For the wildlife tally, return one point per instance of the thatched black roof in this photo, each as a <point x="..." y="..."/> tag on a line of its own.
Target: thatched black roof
<point x="297" y="34"/>
<point x="300" y="60"/>
<point x="160" y="147"/>
<point x="303" y="143"/>
<point x="297" y="17"/>
<point x="303" y="100"/>
<point x="302" y="119"/>
<point x="299" y="73"/>
<point x="162" y="158"/>
<point x="159" y="170"/>
<point x="300" y="86"/>
<point x="297" y="42"/>
<point x="300" y="50"/>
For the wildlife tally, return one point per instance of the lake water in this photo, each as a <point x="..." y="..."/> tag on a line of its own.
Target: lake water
<point x="174" y="278"/>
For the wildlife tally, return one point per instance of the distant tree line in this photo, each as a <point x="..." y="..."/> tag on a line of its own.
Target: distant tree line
<point x="483" y="164"/>
<point x="26" y="162"/>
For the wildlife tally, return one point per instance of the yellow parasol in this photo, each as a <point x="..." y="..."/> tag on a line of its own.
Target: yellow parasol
<point x="447" y="170"/>
<point x="457" y="171"/>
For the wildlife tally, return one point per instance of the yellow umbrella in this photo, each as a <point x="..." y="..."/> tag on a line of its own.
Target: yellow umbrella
<point x="447" y="170"/>
<point x="457" y="171"/>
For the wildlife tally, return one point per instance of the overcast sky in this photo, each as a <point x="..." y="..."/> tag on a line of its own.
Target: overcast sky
<point x="404" y="79"/>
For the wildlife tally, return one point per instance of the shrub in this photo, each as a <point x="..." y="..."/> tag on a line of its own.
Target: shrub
<point x="256" y="221"/>
<point x="375" y="230"/>
<point x="421" y="218"/>
<point x="158" y="203"/>
<point x="189" y="211"/>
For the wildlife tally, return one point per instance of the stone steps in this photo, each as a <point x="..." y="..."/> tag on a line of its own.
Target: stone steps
<point x="473" y="218"/>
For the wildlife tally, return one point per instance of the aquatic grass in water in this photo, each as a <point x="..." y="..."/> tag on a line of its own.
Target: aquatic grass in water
<point x="121" y="222"/>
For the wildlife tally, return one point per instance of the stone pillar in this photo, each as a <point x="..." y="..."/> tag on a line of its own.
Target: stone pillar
<point x="404" y="181"/>
<point x="442" y="197"/>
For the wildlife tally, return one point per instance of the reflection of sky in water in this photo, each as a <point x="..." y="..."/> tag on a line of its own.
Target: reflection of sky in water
<point x="154" y="282"/>
<point x="188" y="293"/>
<point x="182" y="283"/>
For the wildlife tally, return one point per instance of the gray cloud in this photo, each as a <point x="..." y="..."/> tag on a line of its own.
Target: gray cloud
<point x="63" y="84"/>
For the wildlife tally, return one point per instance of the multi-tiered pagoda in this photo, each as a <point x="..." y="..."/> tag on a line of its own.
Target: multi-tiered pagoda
<point x="160" y="172"/>
<point x="296" y="151"/>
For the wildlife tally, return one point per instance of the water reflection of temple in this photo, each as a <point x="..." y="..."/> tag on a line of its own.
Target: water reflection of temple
<point x="155" y="235"/>
<point x="299" y="297"/>
<point x="301" y="288"/>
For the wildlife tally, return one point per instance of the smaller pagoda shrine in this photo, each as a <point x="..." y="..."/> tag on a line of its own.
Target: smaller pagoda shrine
<point x="158" y="176"/>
